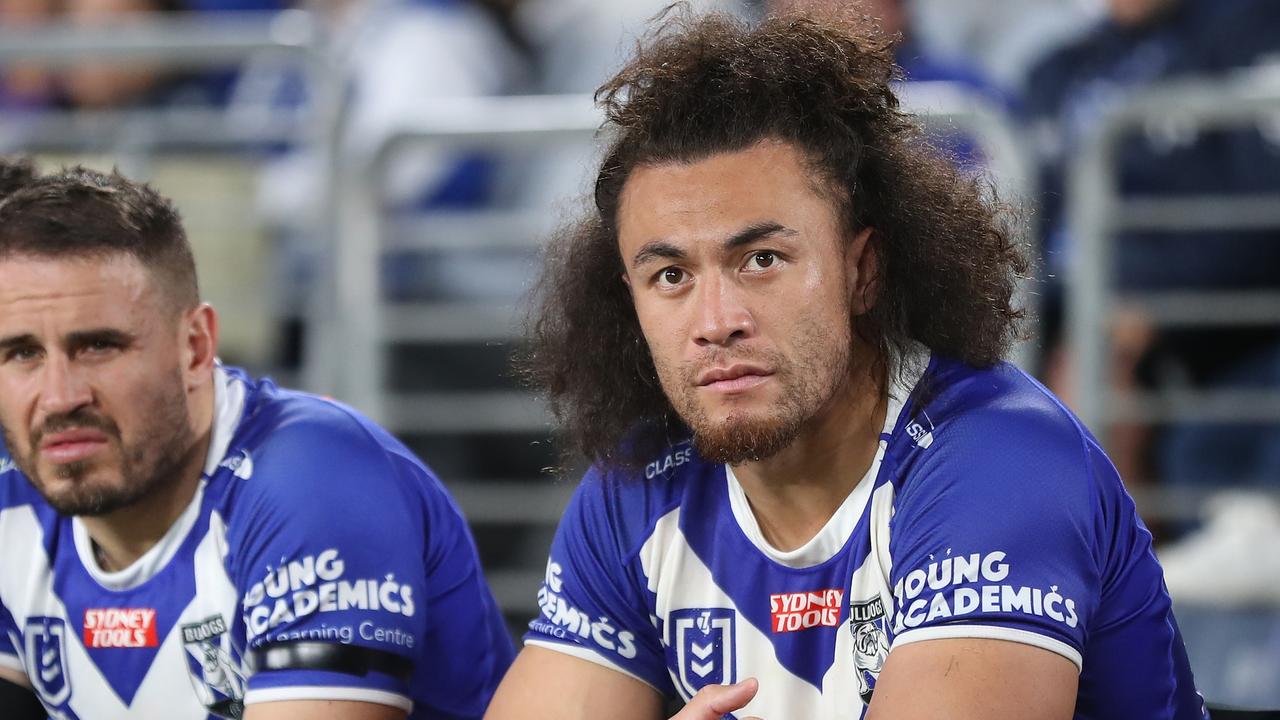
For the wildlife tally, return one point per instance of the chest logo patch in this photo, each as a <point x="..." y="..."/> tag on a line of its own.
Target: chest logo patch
<point x="703" y="639"/>
<point x="45" y="639"/>
<point x="870" y="644"/>
<point x="120" y="628"/>
<point x="215" y="674"/>
<point x="803" y="610"/>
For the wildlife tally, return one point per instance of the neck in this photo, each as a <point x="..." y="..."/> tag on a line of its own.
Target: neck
<point x="795" y="492"/>
<point x="122" y="536"/>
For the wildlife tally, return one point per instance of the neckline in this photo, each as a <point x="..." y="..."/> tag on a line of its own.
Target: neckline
<point x="228" y="403"/>
<point x="834" y="535"/>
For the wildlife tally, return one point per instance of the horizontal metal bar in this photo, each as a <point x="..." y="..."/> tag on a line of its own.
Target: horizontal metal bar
<point x="1224" y="308"/>
<point x="1199" y="213"/>
<point x="513" y="502"/>
<point x="488" y="229"/>
<point x="449" y="323"/>
<point x="170" y="39"/>
<point x="192" y="128"/>
<point x="1248" y="405"/>
<point x="458" y="413"/>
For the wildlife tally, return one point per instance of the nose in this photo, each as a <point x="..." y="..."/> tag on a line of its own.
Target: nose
<point x="723" y="317"/>
<point x="63" y="389"/>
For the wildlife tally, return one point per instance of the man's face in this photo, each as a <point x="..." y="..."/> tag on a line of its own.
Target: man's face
<point x="742" y="279"/>
<point x="92" y="398"/>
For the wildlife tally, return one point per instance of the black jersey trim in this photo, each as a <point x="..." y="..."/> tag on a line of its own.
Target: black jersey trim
<point x="346" y="659"/>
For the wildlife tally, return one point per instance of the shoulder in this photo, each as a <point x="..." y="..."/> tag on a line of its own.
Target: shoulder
<point x="991" y="435"/>
<point x="15" y="489"/>
<point x="306" y="453"/>
<point x="625" y="504"/>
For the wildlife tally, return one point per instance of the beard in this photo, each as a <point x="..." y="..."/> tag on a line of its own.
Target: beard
<point x="157" y="458"/>
<point x="808" y="382"/>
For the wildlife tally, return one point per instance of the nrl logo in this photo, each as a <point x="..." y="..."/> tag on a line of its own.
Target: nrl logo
<point x="703" y="639"/>
<point x="45" y="639"/>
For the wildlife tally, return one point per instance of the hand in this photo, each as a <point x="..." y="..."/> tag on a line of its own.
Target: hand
<point x="713" y="701"/>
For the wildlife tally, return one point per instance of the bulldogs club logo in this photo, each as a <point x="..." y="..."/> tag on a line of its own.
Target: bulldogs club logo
<point x="215" y="674"/>
<point x="703" y="639"/>
<point x="870" y="644"/>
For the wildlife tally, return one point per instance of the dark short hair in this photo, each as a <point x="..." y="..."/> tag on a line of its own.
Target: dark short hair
<point x="78" y="212"/>
<point x="948" y="263"/>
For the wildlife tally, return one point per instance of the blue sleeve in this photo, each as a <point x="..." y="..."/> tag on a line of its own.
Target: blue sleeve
<point x="328" y="546"/>
<point x="8" y="634"/>
<point x="994" y="532"/>
<point x="593" y="600"/>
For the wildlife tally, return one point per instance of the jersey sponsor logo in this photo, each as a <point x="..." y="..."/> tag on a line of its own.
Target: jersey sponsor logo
<point x="318" y="584"/>
<point x="215" y="674"/>
<point x="670" y="462"/>
<point x="120" y="628"/>
<point x="934" y="592"/>
<point x="921" y="430"/>
<point x="563" y="621"/>
<point x="803" y="610"/>
<point x="703" y="639"/>
<point x="870" y="643"/>
<point x="241" y="465"/>
<point x="45" y="640"/>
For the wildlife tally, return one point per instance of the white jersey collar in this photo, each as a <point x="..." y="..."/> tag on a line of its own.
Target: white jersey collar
<point x="833" y="536"/>
<point x="228" y="404"/>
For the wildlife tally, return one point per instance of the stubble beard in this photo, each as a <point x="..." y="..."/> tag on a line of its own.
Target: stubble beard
<point x="154" y="461"/>
<point x="808" y="384"/>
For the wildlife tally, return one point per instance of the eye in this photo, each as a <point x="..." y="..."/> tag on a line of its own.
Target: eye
<point x="22" y="354"/>
<point x="761" y="260"/>
<point x="669" y="277"/>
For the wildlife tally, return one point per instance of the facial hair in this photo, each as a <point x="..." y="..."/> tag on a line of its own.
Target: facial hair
<point x="809" y="379"/>
<point x="155" y="459"/>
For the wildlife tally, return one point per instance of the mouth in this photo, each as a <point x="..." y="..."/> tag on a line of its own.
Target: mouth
<point x="72" y="445"/>
<point x="734" y="379"/>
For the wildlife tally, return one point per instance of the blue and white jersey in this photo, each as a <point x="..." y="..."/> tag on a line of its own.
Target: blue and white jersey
<point x="312" y="529"/>
<point x="988" y="512"/>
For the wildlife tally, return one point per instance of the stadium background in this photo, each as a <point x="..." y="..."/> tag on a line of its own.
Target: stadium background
<point x="367" y="182"/>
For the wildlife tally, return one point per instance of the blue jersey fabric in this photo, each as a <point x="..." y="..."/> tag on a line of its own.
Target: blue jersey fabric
<point x="989" y="512"/>
<point x="310" y="524"/>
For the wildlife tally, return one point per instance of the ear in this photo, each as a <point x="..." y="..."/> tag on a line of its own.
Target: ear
<point x="863" y="271"/>
<point x="626" y="280"/>
<point x="199" y="343"/>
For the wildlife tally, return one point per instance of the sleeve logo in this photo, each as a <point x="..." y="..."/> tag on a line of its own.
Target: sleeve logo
<point x="934" y="592"/>
<point x="563" y="620"/>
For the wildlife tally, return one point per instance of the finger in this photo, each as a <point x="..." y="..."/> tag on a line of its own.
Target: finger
<point x="713" y="701"/>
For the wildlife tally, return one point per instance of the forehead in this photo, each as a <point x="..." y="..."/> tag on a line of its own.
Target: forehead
<point x="113" y="290"/>
<point x="718" y="195"/>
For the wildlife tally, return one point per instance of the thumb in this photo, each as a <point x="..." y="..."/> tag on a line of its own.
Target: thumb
<point x="714" y="701"/>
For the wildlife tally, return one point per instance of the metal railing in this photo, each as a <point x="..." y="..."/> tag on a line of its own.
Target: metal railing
<point x="1096" y="216"/>
<point x="515" y="122"/>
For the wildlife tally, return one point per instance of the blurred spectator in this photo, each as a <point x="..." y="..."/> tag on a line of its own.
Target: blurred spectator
<point x="400" y="58"/>
<point x="25" y="85"/>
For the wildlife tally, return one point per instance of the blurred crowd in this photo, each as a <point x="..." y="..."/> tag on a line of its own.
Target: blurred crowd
<point x="1055" y="68"/>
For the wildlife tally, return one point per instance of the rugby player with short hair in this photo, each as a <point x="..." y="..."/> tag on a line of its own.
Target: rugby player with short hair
<point x="181" y="540"/>
<point x="816" y="490"/>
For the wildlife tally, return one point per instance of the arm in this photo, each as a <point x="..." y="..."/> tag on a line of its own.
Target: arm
<point x="972" y="679"/>
<point x="547" y="685"/>
<point x="17" y="698"/>
<point x="321" y="710"/>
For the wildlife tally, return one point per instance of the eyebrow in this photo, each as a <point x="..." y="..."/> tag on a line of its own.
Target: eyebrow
<point x="662" y="249"/>
<point x="76" y="339"/>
